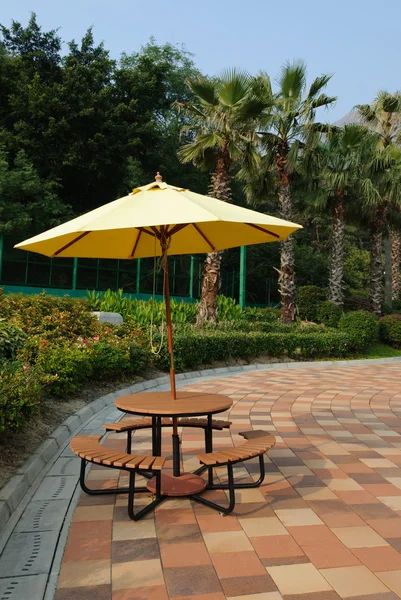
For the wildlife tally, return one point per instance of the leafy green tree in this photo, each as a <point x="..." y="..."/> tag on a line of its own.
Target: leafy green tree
<point x="25" y="200"/>
<point x="224" y="112"/>
<point x="284" y="130"/>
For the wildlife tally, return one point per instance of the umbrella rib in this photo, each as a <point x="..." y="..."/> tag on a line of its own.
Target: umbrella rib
<point x="136" y="243"/>
<point x="264" y="230"/>
<point x="82" y="235"/>
<point x="177" y="228"/>
<point x="198" y="229"/>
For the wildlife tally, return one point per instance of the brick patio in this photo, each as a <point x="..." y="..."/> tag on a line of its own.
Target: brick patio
<point x="326" y="523"/>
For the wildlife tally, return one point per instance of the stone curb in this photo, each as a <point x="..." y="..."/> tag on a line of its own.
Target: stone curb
<point x="18" y="486"/>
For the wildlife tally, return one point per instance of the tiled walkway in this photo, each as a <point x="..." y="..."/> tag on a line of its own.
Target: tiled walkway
<point x="326" y="524"/>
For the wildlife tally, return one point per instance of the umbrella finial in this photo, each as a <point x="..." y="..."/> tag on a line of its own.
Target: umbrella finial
<point x="158" y="177"/>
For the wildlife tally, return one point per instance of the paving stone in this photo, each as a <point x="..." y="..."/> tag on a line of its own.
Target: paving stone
<point x="73" y="422"/>
<point x="4" y="514"/>
<point x="61" y="434"/>
<point x="47" y="449"/>
<point x="43" y="515"/>
<point x="56" y="488"/>
<point x="14" y="491"/>
<point x="28" y="554"/>
<point x="32" y="467"/>
<point x="31" y="587"/>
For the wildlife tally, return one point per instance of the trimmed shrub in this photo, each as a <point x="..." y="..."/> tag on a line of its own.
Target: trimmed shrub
<point x="358" y="300"/>
<point x="195" y="348"/>
<point x="12" y="339"/>
<point x="329" y="313"/>
<point x="308" y="299"/>
<point x="390" y="330"/>
<point x="361" y="326"/>
<point x="70" y="365"/>
<point x="21" y="391"/>
<point x="261" y="314"/>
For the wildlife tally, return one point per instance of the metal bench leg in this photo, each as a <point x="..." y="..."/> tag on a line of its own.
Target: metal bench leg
<point x="129" y="441"/>
<point x="93" y="492"/>
<point x="230" y="487"/>
<point x="224" y="486"/>
<point x="131" y="495"/>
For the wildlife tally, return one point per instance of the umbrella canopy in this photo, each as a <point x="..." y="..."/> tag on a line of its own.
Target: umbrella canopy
<point x="129" y="227"/>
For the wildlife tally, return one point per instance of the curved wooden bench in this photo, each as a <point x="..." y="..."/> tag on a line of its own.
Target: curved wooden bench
<point x="89" y="449"/>
<point x="131" y="424"/>
<point x="254" y="448"/>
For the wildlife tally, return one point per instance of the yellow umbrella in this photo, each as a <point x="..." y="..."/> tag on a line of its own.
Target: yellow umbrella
<point x="187" y="222"/>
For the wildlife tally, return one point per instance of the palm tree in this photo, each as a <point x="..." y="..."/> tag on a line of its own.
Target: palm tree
<point x="380" y="187"/>
<point x="224" y="111"/>
<point x="283" y="133"/>
<point x="336" y="161"/>
<point x="384" y="118"/>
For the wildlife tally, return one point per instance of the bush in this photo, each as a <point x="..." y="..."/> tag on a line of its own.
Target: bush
<point x="70" y="365"/>
<point x="308" y="299"/>
<point x="261" y="314"/>
<point x="50" y="317"/>
<point x="390" y="330"/>
<point x="21" y="391"/>
<point x="328" y="313"/>
<point x="107" y="361"/>
<point x="199" y="347"/>
<point x="397" y="305"/>
<point x="12" y="338"/>
<point x="361" y="326"/>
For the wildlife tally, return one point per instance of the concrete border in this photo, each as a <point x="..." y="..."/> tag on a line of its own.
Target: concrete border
<point x="27" y="477"/>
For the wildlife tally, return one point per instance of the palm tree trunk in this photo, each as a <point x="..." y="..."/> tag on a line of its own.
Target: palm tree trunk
<point x="395" y="263"/>
<point x="376" y="266"/>
<point x="207" y="308"/>
<point x="286" y="280"/>
<point x="388" y="272"/>
<point x="336" y="271"/>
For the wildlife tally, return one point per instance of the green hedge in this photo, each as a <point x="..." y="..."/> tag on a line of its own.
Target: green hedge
<point x="196" y="348"/>
<point x="328" y="313"/>
<point x="390" y="330"/>
<point x="361" y="326"/>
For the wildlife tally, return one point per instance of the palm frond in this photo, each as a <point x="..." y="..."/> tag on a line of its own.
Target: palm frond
<point x="318" y="84"/>
<point x="233" y="86"/>
<point x="366" y="112"/>
<point x="292" y="79"/>
<point x="196" y="150"/>
<point x="323" y="100"/>
<point x="204" y="89"/>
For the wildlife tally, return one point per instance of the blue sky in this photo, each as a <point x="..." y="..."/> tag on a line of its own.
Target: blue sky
<point x="356" y="40"/>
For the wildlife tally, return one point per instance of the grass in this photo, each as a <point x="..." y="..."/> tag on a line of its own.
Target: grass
<point x="378" y="350"/>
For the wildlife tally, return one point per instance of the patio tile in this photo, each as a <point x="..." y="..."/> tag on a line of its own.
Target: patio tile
<point x="94" y="513"/>
<point x="140" y="573"/>
<point x="261" y="596"/>
<point x="257" y="584"/>
<point x="184" y="581"/>
<point x="176" y="516"/>
<point x="332" y="554"/>
<point x="387" y="527"/>
<point x="214" y="524"/>
<point x="298" y="579"/>
<point x="279" y="546"/>
<point x="359" y="537"/>
<point x="176" y="534"/>
<point x="139" y="549"/>
<point x="303" y="516"/>
<point x="227" y="541"/>
<point x="237" y="564"/>
<point x="268" y="526"/>
<point x="379" y="559"/>
<point x="393" y="502"/>
<point x="392" y="579"/>
<point x="184" y="555"/>
<point x="151" y="592"/>
<point x="84" y="574"/>
<point x="133" y="530"/>
<point x="88" y="540"/>
<point x="93" y="592"/>
<point x="351" y="582"/>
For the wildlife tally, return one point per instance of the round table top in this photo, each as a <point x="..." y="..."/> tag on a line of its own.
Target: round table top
<point x="162" y="404"/>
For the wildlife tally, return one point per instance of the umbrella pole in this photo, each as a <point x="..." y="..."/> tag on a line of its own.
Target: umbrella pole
<point x="176" y="438"/>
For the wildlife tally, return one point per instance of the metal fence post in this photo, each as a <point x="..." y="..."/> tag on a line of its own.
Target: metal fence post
<point x="242" y="277"/>
<point x="74" y="274"/>
<point x="191" y="277"/>
<point x="138" y="275"/>
<point x="1" y="257"/>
